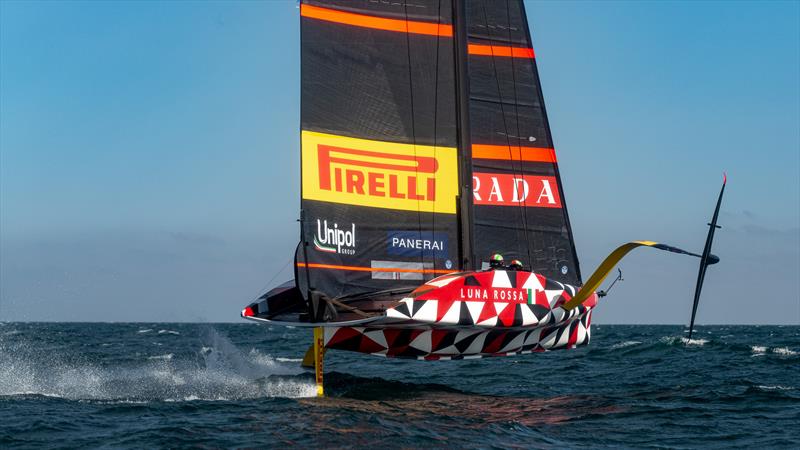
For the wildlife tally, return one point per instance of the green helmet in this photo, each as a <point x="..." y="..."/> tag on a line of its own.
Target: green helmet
<point x="496" y="260"/>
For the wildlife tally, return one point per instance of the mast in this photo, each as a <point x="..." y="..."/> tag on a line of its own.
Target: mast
<point x="466" y="238"/>
<point x="303" y="239"/>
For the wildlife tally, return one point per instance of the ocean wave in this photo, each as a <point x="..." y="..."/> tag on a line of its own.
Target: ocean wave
<point x="145" y="330"/>
<point x="168" y="332"/>
<point x="680" y="340"/>
<point x="784" y="351"/>
<point x="776" y="388"/>
<point x="28" y="394"/>
<point x="119" y="402"/>
<point x="625" y="344"/>
<point x="759" y="350"/>
<point x="167" y="357"/>
<point x="688" y="341"/>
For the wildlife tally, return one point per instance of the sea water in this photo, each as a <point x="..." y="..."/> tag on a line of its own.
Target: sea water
<point x="150" y="385"/>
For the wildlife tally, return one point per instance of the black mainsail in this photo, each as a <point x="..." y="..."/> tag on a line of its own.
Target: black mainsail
<point x="425" y="147"/>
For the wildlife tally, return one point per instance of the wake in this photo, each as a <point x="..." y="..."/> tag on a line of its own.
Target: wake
<point x="219" y="371"/>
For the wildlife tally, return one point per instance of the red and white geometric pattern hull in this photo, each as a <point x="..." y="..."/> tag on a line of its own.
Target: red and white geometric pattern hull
<point x="492" y="313"/>
<point x="435" y="344"/>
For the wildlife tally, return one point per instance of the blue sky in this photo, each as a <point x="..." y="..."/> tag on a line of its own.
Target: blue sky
<point x="149" y="153"/>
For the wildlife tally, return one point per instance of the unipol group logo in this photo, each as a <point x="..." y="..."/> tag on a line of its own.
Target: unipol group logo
<point x="378" y="174"/>
<point x="332" y="239"/>
<point x="515" y="190"/>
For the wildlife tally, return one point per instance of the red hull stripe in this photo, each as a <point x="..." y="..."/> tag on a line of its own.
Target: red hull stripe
<point x="506" y="153"/>
<point x="377" y="23"/>
<point x="371" y="269"/>
<point x="500" y="50"/>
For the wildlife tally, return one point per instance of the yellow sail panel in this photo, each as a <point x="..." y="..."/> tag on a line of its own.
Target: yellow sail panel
<point x="378" y="174"/>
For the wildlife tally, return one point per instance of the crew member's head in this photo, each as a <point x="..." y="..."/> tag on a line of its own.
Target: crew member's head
<point x="515" y="265"/>
<point x="496" y="261"/>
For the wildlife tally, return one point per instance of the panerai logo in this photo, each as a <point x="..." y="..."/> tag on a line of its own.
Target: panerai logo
<point x="417" y="243"/>
<point x="332" y="239"/>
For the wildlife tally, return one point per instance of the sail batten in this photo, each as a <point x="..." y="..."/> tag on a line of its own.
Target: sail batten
<point x="376" y="22"/>
<point x="513" y="153"/>
<point x="500" y="51"/>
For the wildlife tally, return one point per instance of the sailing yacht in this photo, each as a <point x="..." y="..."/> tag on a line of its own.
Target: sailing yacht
<point x="425" y="149"/>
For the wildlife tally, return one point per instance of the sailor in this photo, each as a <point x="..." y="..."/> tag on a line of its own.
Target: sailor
<point x="515" y="265"/>
<point x="496" y="262"/>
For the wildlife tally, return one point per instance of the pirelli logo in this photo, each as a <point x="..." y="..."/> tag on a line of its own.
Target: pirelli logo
<point x="379" y="174"/>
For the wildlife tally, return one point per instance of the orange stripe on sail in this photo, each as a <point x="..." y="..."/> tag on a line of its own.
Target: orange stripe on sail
<point x="500" y="50"/>
<point x="506" y="153"/>
<point x="377" y="23"/>
<point x="371" y="269"/>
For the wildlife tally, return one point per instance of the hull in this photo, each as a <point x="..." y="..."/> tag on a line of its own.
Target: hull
<point x="459" y="315"/>
<point x="472" y="315"/>
<point x="426" y="343"/>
